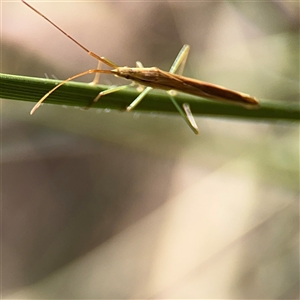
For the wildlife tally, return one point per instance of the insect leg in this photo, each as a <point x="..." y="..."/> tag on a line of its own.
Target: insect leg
<point x="140" y="97"/>
<point x="186" y="114"/>
<point x="114" y="89"/>
<point x="190" y="117"/>
<point x="180" y="60"/>
<point x="109" y="91"/>
<point x="178" y="67"/>
<point x="97" y="75"/>
<point x="140" y="87"/>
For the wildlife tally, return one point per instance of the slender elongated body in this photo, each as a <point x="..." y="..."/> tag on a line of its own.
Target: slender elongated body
<point x="156" y="78"/>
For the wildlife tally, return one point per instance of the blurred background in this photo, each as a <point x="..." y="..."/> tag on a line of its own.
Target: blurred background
<point x="99" y="204"/>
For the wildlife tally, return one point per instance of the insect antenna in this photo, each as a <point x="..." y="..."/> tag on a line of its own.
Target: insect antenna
<point x="37" y="105"/>
<point x="102" y="59"/>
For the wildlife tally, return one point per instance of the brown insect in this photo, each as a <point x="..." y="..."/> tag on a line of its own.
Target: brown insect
<point x="150" y="78"/>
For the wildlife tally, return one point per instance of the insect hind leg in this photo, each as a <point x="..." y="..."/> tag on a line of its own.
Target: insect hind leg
<point x="178" y="67"/>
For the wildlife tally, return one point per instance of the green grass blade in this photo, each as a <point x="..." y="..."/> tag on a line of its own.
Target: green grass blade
<point x="31" y="89"/>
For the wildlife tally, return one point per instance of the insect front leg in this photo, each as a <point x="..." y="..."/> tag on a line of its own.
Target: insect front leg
<point x="100" y="61"/>
<point x="97" y="75"/>
<point x="106" y="92"/>
<point x="109" y="91"/>
<point x="119" y="88"/>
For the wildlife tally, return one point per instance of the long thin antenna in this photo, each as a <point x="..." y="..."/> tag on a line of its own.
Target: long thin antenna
<point x="37" y="105"/>
<point x="103" y="59"/>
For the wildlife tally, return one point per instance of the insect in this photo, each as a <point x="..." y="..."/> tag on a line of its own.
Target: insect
<point x="149" y="78"/>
